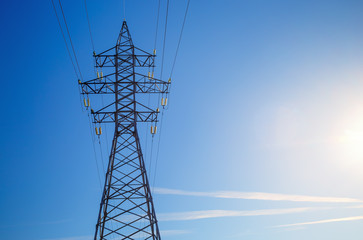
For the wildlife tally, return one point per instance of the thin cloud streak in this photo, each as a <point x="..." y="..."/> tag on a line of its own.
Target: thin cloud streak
<point x="346" y="219"/>
<point x="173" y="232"/>
<point x="358" y="206"/>
<point x="257" y="196"/>
<point x="194" y="215"/>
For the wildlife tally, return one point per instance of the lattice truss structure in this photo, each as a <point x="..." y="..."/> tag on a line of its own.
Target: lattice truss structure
<point x="127" y="210"/>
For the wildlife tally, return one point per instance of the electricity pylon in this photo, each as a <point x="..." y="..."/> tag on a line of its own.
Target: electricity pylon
<point x="126" y="209"/>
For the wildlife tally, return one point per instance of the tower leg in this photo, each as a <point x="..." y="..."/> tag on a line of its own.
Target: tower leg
<point x="127" y="210"/>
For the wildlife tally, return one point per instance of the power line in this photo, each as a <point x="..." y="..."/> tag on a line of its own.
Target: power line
<point x="157" y="25"/>
<point x="103" y="163"/>
<point x="80" y="74"/>
<point x="64" y="38"/>
<point x="70" y="39"/>
<point x="178" y="46"/>
<point x="157" y="151"/>
<point x="153" y="67"/>
<point x="171" y="73"/>
<point x="69" y="52"/>
<point x="93" y="48"/>
<point x="161" y="75"/>
<point x="166" y="26"/>
<point x="180" y="38"/>
<point x="94" y="150"/>
<point x="89" y="25"/>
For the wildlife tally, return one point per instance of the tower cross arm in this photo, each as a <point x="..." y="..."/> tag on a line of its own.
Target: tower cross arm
<point x="126" y="113"/>
<point x="106" y="85"/>
<point x="139" y="57"/>
<point x="143" y="58"/>
<point x="124" y="116"/>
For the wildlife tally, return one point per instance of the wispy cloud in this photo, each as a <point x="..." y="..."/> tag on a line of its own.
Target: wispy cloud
<point x="346" y="219"/>
<point x="194" y="215"/>
<point x="258" y="196"/>
<point x="357" y="206"/>
<point x="173" y="232"/>
<point x="296" y="228"/>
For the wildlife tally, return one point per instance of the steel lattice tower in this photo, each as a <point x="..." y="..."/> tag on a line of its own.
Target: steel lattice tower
<point x="126" y="209"/>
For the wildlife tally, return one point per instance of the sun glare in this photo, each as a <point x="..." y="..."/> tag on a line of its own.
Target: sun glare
<point x="352" y="143"/>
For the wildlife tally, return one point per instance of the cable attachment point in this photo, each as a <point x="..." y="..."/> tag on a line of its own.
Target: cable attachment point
<point x="86" y="102"/>
<point x="164" y="101"/>
<point x="98" y="131"/>
<point x="150" y="75"/>
<point x="153" y="129"/>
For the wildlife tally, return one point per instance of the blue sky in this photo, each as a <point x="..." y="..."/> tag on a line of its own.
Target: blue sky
<point x="262" y="138"/>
